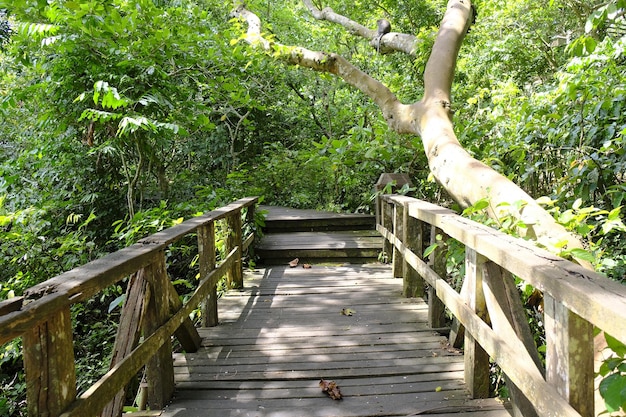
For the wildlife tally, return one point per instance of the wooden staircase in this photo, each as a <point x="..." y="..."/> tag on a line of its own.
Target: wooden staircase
<point x="317" y="237"/>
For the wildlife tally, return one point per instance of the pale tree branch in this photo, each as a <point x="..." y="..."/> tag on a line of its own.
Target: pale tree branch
<point x="391" y="42"/>
<point x="394" y="112"/>
<point x="466" y="179"/>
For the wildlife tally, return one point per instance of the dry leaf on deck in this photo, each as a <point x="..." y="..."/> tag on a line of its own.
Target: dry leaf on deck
<point x="347" y="312"/>
<point x="294" y="263"/>
<point x="306" y="266"/>
<point x="330" y="388"/>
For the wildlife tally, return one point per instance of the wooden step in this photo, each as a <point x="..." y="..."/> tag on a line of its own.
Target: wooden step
<point x="354" y="246"/>
<point x="283" y="219"/>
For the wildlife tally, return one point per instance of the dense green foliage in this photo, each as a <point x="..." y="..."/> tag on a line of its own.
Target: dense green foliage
<point x="121" y="117"/>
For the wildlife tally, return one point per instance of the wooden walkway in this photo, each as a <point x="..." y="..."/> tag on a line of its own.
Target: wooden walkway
<point x="286" y="331"/>
<point x="317" y="236"/>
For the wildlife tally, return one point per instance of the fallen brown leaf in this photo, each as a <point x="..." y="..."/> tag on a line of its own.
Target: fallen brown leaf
<point x="330" y="388"/>
<point x="294" y="263"/>
<point x="306" y="266"/>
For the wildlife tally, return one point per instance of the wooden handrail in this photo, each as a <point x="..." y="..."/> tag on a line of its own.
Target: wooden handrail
<point x="489" y="310"/>
<point x="41" y="317"/>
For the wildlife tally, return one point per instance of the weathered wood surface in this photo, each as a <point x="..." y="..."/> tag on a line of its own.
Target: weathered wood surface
<point x="280" y="219"/>
<point x="82" y="283"/>
<point x="285" y="331"/>
<point x="568" y="390"/>
<point x="317" y="236"/>
<point x="96" y="397"/>
<point x="343" y="246"/>
<point x="588" y="294"/>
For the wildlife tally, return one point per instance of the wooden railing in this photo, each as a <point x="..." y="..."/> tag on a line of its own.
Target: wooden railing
<point x="151" y="308"/>
<point x="489" y="319"/>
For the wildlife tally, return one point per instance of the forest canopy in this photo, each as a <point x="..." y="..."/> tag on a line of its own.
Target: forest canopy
<point x="122" y="117"/>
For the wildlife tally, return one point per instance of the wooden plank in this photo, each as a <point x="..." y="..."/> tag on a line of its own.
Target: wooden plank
<point x="128" y="333"/>
<point x="82" y="283"/>
<point x="509" y="319"/>
<point x="234" y="374"/>
<point x="303" y="235"/>
<point x="437" y="261"/>
<point x="172" y="234"/>
<point x="320" y="240"/>
<point x="430" y="403"/>
<point x="397" y="260"/>
<point x="48" y="353"/>
<point x="333" y="360"/>
<point x="457" y="331"/>
<point x="590" y="295"/>
<point x="187" y="334"/>
<point x="359" y="410"/>
<point x="387" y="222"/>
<point x="33" y="314"/>
<point x="346" y="327"/>
<point x="92" y="401"/>
<point x="79" y="284"/>
<point x="569" y="355"/>
<point x="281" y="219"/>
<point x="415" y="382"/>
<point x="476" y="359"/>
<point x="428" y="346"/>
<point x="266" y="367"/>
<point x="159" y="368"/>
<point x="248" y="241"/>
<point x="206" y="259"/>
<point x="11" y="305"/>
<point x="412" y="239"/>
<point x="286" y="356"/>
<point x="513" y="361"/>
<point x="234" y="278"/>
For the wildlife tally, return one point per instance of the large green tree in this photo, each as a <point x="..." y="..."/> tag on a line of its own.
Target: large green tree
<point x="466" y="179"/>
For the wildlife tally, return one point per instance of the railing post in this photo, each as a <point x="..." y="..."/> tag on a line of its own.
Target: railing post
<point x="386" y="220"/>
<point x="398" y="232"/>
<point x="250" y="211"/>
<point x="49" y="365"/>
<point x="413" y="284"/>
<point x="235" y="276"/>
<point x="569" y="355"/>
<point x="250" y="221"/>
<point x="160" y="368"/>
<point x="476" y="359"/>
<point x="206" y="255"/>
<point x="437" y="262"/>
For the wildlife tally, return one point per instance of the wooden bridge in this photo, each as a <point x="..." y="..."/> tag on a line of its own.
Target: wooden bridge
<point x="381" y="332"/>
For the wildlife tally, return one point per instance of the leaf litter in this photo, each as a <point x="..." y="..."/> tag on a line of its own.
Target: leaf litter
<point x="331" y="388"/>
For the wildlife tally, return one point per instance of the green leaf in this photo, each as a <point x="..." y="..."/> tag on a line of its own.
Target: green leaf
<point x="613" y="391"/>
<point x="590" y="44"/>
<point x="615" y="345"/>
<point x="614" y="214"/>
<point x="117" y="302"/>
<point x="545" y="201"/>
<point x="430" y="250"/>
<point x="612" y="364"/>
<point x="582" y="255"/>
<point x="481" y="204"/>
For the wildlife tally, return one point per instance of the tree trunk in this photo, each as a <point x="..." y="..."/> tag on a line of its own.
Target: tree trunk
<point x="466" y="179"/>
